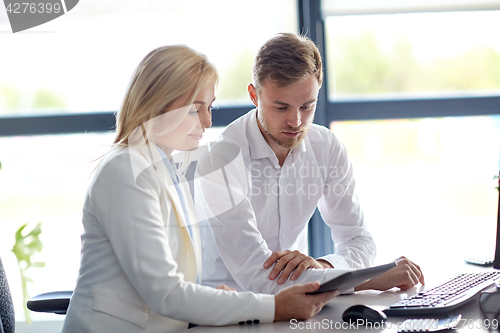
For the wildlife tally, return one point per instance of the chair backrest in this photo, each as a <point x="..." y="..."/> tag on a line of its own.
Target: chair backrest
<point x="7" y="317"/>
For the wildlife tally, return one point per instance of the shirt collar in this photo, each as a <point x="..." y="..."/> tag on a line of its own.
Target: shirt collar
<point x="259" y="148"/>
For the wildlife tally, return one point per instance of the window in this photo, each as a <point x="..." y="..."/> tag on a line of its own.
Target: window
<point x="430" y="69"/>
<point x="82" y="61"/>
<point x="426" y="185"/>
<point x="397" y="53"/>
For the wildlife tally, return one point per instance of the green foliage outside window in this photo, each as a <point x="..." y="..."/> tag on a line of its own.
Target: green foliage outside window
<point x="11" y="99"/>
<point x="361" y="67"/>
<point x="233" y="85"/>
<point x="26" y="246"/>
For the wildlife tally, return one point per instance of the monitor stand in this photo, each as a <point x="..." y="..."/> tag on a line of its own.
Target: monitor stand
<point x="481" y="260"/>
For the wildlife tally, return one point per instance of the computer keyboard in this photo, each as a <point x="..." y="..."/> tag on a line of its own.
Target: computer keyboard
<point x="445" y="297"/>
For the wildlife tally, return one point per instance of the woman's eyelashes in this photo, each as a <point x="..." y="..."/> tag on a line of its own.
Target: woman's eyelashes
<point x="200" y="108"/>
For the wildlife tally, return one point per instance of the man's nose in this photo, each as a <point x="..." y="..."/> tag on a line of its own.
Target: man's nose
<point x="294" y="118"/>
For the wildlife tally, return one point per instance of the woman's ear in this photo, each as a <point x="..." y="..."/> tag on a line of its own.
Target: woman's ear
<point x="253" y="94"/>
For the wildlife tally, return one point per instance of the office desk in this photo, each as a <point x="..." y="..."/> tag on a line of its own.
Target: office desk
<point x="331" y="316"/>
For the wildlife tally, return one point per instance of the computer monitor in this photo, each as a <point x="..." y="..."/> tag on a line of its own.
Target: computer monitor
<point x="496" y="263"/>
<point x="487" y="259"/>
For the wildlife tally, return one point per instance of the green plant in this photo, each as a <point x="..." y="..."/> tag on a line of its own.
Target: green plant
<point x="27" y="245"/>
<point x="498" y="185"/>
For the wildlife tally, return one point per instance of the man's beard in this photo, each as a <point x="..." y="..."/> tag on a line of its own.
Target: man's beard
<point x="286" y="142"/>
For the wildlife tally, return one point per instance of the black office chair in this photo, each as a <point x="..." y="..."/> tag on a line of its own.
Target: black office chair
<point x="7" y="317"/>
<point x="52" y="302"/>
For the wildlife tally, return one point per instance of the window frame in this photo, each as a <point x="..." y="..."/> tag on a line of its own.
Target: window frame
<point x="66" y="123"/>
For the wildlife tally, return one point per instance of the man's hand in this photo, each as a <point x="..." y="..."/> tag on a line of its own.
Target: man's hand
<point x="404" y="276"/>
<point x="288" y="261"/>
<point x="293" y="303"/>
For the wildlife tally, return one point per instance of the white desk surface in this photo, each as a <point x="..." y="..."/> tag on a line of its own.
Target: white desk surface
<point x="331" y="314"/>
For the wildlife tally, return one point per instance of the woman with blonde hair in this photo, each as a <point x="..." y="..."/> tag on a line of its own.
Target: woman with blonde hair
<point x="141" y="264"/>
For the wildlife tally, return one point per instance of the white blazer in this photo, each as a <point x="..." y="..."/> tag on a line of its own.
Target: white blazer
<point x="139" y="266"/>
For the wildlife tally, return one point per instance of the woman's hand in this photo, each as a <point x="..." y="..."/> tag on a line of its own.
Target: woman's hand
<point x="294" y="303"/>
<point x="288" y="261"/>
<point x="224" y="287"/>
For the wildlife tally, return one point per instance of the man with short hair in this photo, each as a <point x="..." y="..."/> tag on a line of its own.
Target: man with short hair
<point x="277" y="167"/>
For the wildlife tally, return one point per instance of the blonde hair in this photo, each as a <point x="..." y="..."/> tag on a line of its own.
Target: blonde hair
<point x="286" y="59"/>
<point x="164" y="75"/>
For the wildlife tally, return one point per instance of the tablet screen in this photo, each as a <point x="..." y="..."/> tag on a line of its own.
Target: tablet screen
<point x="352" y="279"/>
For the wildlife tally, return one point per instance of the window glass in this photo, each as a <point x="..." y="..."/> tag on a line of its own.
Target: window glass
<point x="82" y="61"/>
<point x="426" y="185"/>
<point x="350" y="7"/>
<point x="421" y="54"/>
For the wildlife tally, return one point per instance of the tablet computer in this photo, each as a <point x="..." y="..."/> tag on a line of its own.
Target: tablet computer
<point x="352" y="279"/>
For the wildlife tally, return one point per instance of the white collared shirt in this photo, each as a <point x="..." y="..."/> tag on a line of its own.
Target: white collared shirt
<point x="269" y="207"/>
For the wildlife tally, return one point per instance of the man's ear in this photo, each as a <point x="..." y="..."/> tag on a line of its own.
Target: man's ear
<point x="253" y="94"/>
